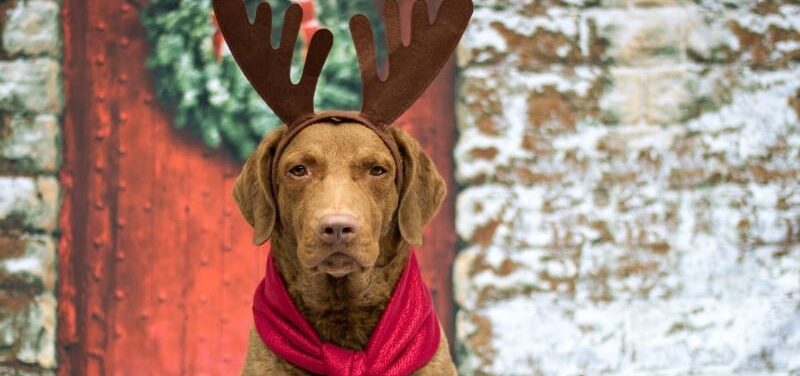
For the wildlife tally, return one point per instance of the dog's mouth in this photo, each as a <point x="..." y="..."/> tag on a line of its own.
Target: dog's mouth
<point x="338" y="264"/>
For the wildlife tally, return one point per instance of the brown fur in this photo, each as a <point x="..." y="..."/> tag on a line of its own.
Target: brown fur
<point x="338" y="160"/>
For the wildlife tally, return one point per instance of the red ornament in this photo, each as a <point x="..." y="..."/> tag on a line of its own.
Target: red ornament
<point x="217" y="41"/>
<point x="310" y="23"/>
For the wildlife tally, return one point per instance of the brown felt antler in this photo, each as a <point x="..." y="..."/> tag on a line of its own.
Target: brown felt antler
<point x="411" y="68"/>
<point x="268" y="69"/>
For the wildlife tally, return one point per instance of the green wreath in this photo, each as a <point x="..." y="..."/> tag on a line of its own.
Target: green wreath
<point x="208" y="94"/>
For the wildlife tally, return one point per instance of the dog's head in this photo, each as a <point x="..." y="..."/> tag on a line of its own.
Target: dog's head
<point x="337" y="190"/>
<point x="334" y="196"/>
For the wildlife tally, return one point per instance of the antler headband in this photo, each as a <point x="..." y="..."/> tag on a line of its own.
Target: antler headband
<point x="411" y="68"/>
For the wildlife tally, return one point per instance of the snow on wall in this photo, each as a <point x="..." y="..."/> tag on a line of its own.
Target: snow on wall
<point x="630" y="200"/>
<point x="31" y="102"/>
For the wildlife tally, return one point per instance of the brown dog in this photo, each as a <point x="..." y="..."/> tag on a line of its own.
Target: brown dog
<point x="340" y="229"/>
<point x="342" y="195"/>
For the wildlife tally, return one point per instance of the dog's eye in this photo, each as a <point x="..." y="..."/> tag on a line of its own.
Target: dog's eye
<point x="377" y="171"/>
<point x="298" y="170"/>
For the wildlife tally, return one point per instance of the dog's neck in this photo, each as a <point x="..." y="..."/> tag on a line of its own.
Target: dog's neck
<point x="344" y="310"/>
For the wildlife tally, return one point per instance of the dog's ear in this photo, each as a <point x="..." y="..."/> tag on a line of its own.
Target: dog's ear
<point x="252" y="189"/>
<point x="423" y="188"/>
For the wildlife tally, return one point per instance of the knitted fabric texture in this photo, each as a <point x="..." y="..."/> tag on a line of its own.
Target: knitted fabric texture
<point x="405" y="339"/>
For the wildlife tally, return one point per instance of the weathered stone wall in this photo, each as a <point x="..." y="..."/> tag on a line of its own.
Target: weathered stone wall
<point x="630" y="198"/>
<point x="30" y="107"/>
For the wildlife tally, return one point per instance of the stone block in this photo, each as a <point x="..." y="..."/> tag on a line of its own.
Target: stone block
<point x="613" y="3"/>
<point x="553" y="108"/>
<point x="463" y="270"/>
<point x="710" y="89"/>
<point x="481" y="102"/>
<point x="32" y="27"/>
<point x="28" y="330"/>
<point x="709" y="38"/>
<point x="28" y="264"/>
<point x="639" y="38"/>
<point x="625" y="102"/>
<point x="30" y="143"/>
<point x="667" y="96"/>
<point x="18" y="197"/>
<point x="479" y="207"/>
<point x="31" y="86"/>
<point x="27" y="202"/>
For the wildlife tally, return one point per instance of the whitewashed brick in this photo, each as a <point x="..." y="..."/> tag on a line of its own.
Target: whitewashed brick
<point x="668" y="210"/>
<point x="625" y="102"/>
<point x="35" y="266"/>
<point x="709" y="38"/>
<point x="30" y="202"/>
<point x="30" y="86"/>
<point x="32" y="27"/>
<point x="31" y="143"/>
<point x="667" y="95"/>
<point x="31" y="102"/>
<point x="642" y="37"/>
<point x="33" y="328"/>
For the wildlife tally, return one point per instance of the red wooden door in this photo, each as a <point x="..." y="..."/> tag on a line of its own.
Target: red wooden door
<point x="156" y="265"/>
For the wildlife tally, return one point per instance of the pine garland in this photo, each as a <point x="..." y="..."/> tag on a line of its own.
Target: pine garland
<point x="212" y="98"/>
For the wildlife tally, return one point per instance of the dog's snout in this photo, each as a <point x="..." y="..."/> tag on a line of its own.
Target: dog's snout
<point x="338" y="228"/>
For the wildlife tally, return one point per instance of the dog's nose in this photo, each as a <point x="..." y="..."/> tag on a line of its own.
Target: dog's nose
<point x="338" y="228"/>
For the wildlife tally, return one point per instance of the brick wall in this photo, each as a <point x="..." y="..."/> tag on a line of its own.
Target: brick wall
<point x="630" y="200"/>
<point x="30" y="107"/>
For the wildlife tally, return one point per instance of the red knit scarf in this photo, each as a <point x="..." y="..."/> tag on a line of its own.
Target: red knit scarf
<point x="405" y="338"/>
